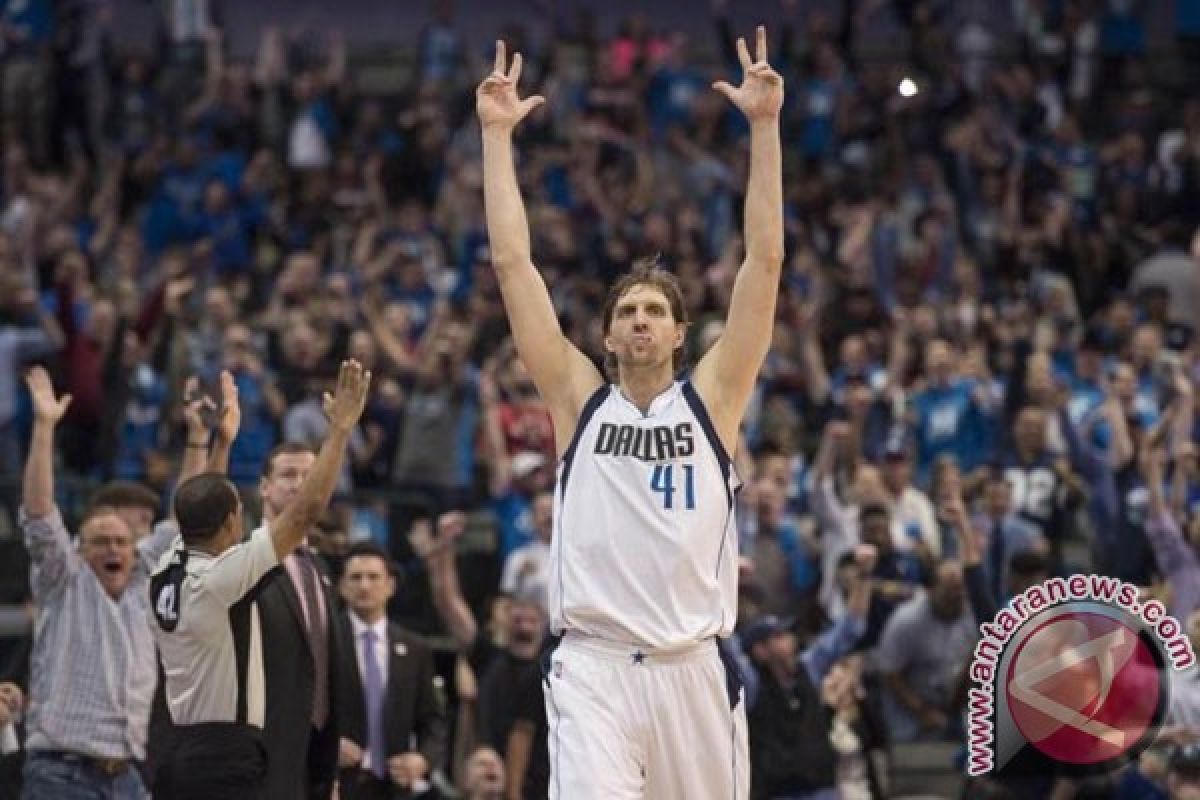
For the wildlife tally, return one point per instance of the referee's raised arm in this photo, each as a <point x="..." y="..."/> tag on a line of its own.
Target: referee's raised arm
<point x="343" y="408"/>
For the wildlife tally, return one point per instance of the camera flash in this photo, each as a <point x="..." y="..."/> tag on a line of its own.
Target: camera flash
<point x="907" y="87"/>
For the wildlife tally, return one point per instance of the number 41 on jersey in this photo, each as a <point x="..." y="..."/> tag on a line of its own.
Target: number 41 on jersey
<point x="662" y="480"/>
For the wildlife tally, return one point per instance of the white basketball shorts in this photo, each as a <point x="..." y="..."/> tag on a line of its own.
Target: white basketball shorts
<point x="627" y="724"/>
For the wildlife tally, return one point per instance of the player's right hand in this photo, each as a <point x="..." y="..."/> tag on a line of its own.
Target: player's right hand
<point x="346" y="405"/>
<point x="496" y="100"/>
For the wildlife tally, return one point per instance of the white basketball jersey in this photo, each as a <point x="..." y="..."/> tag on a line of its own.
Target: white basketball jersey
<point x="645" y="542"/>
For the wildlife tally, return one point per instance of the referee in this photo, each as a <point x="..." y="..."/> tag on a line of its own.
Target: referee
<point x="208" y="631"/>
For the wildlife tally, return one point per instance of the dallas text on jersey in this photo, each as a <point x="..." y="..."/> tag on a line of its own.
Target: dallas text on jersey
<point x="660" y="443"/>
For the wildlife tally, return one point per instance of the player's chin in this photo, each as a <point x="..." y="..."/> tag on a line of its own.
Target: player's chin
<point x="641" y="357"/>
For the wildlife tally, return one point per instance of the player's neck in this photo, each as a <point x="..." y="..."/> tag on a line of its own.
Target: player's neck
<point x="641" y="386"/>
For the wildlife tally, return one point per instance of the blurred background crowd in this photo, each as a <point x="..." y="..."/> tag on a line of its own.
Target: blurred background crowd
<point x="990" y="295"/>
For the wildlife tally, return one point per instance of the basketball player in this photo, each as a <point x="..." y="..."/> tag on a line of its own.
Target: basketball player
<point x="643" y="586"/>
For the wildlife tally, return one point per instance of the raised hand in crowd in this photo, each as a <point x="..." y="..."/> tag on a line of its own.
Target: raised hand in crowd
<point x="952" y="512"/>
<point x="48" y="411"/>
<point x="228" y="423"/>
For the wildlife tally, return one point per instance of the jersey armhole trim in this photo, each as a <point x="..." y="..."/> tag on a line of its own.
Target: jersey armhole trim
<point x="585" y="416"/>
<point x="697" y="405"/>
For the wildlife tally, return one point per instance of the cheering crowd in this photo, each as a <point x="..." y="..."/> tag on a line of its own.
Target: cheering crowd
<point x="983" y="373"/>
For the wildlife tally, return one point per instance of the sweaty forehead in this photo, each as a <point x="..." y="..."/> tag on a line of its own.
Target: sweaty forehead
<point x="642" y="293"/>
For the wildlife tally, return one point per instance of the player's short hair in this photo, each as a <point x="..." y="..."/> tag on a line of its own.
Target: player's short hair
<point x="285" y="449"/>
<point x="648" y="272"/>
<point x="202" y="504"/>
<point x="119" y="494"/>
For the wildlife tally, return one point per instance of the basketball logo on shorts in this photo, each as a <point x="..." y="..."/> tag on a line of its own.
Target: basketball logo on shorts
<point x="558" y="669"/>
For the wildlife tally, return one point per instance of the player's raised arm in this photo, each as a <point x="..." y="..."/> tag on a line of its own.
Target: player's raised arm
<point x="564" y="376"/>
<point x="726" y="374"/>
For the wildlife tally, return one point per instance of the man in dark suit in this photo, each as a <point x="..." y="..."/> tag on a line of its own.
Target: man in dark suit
<point x="392" y="723"/>
<point x="301" y="624"/>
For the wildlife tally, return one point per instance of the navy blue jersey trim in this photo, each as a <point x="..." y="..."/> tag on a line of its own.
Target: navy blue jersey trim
<point x="723" y="460"/>
<point x="585" y="416"/>
<point x="555" y="767"/>
<point x="697" y="405"/>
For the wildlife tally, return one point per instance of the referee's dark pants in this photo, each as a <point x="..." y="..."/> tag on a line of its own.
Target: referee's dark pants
<point x="213" y="760"/>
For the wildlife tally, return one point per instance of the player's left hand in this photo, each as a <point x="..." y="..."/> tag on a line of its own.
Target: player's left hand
<point x="760" y="97"/>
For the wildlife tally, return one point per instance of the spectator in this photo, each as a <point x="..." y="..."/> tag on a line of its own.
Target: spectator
<point x="914" y="526"/>
<point x="526" y="570"/>
<point x="507" y="722"/>
<point x="790" y="728"/>
<point x="27" y="100"/>
<point x="783" y="560"/>
<point x="394" y="679"/>
<point x="923" y="651"/>
<point x="436" y="447"/>
<point x="1002" y="534"/>
<point x="78" y="731"/>
<point x="298" y="610"/>
<point x="138" y="506"/>
<point x="1044" y="490"/>
<point x="485" y="778"/>
<point x="261" y="402"/>
<point x="896" y="575"/>
<point x="950" y="413"/>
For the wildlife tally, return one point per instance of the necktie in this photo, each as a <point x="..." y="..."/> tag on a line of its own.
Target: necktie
<point x="317" y="638"/>
<point x="374" y="698"/>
